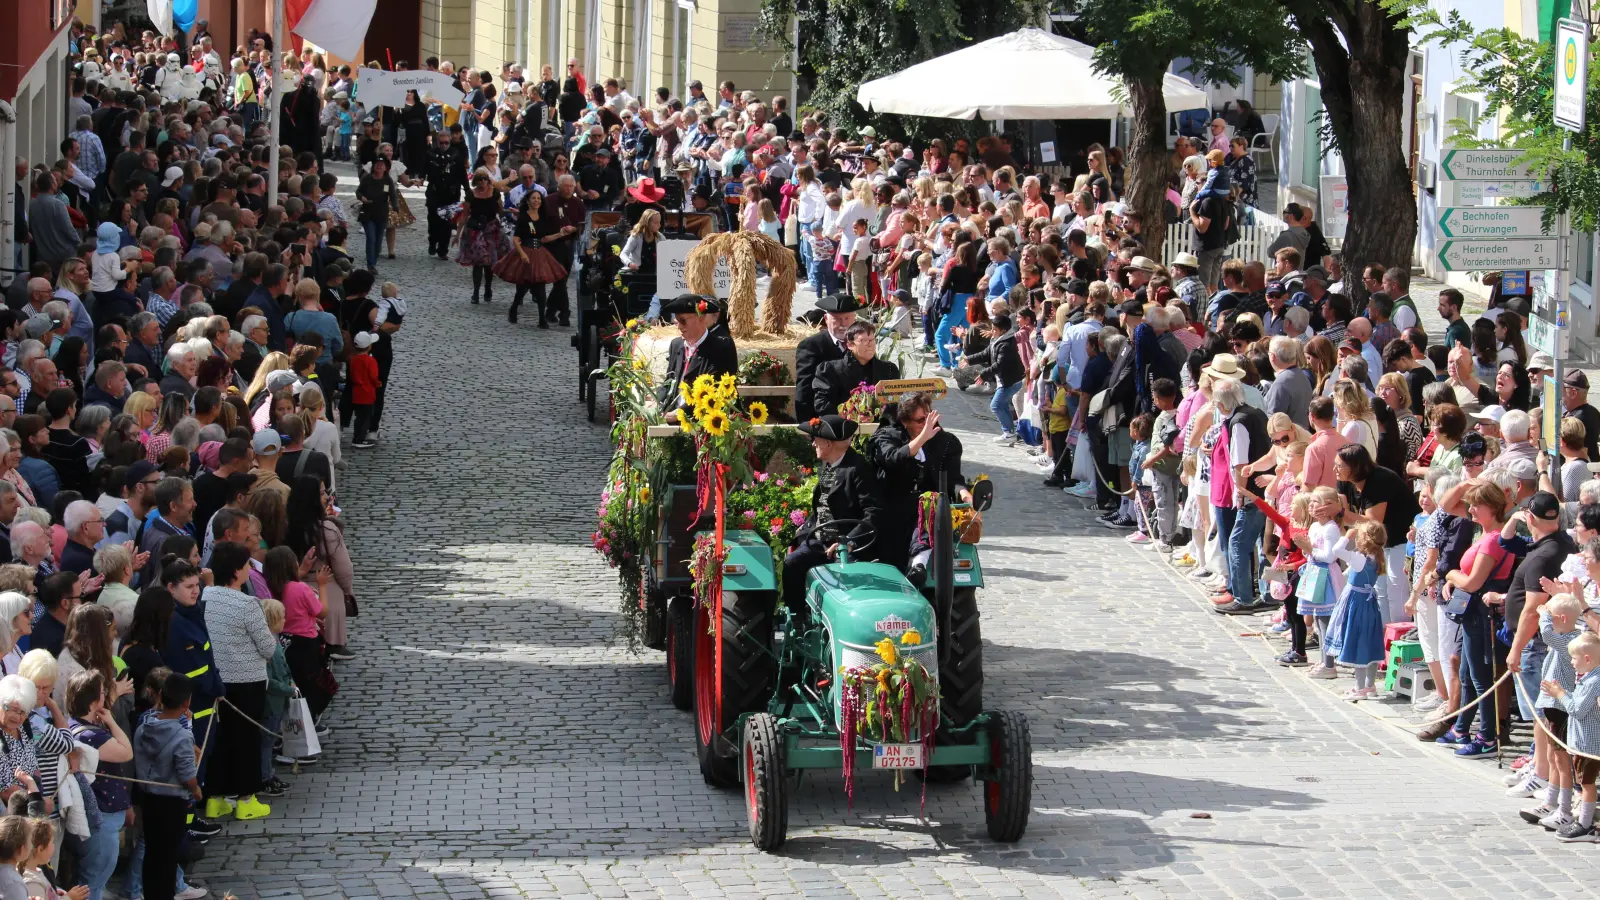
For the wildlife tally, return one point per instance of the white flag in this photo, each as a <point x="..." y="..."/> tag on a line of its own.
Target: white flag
<point x="337" y="26"/>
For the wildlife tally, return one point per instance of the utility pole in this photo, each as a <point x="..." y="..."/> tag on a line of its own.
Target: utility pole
<point x="274" y="101"/>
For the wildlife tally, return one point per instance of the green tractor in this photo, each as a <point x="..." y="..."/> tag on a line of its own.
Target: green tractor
<point x="781" y="698"/>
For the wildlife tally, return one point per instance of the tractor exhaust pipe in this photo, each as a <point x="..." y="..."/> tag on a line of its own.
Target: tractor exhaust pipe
<point x="944" y="576"/>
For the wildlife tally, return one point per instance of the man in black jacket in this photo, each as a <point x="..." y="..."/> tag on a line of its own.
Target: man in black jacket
<point x="698" y="350"/>
<point x="839" y="313"/>
<point x="445" y="177"/>
<point x="910" y="452"/>
<point x="847" y="488"/>
<point x="837" y="379"/>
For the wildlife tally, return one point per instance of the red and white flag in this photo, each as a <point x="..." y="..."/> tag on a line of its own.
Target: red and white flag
<point x="337" y="26"/>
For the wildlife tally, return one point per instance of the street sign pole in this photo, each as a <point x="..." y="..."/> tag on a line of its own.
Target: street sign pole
<point x="1571" y="102"/>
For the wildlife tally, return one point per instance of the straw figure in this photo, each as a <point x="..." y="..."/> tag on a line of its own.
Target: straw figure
<point x="744" y="250"/>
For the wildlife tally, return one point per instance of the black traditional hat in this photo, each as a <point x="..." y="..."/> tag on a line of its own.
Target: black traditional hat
<point x="691" y="303"/>
<point x="832" y="428"/>
<point x="838" y="303"/>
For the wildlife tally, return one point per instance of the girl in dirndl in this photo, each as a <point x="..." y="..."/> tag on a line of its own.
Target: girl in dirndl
<point x="1359" y="621"/>
<point x="529" y="266"/>
<point x="1321" y="582"/>
<point x="482" y="237"/>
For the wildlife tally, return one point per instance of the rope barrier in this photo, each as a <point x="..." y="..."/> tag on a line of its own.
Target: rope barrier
<point x="1538" y="723"/>
<point x="204" y="746"/>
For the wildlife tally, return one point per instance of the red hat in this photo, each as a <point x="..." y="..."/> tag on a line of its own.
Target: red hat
<point x="646" y="191"/>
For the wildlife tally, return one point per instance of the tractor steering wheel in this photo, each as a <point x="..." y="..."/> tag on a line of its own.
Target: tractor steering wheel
<point x="871" y="534"/>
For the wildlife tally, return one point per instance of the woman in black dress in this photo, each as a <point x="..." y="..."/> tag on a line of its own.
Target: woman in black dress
<point x="414" y="126"/>
<point x="529" y="266"/>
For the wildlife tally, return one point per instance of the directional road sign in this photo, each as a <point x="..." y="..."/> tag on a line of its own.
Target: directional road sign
<point x="1491" y="221"/>
<point x="1484" y="165"/>
<point x="1516" y="253"/>
<point x="1478" y="191"/>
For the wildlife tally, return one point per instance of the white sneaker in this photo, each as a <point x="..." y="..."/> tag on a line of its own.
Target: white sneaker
<point x="1531" y="785"/>
<point x="1556" y="820"/>
<point x="193" y="892"/>
<point x="1006" y="438"/>
<point x="1431" y="703"/>
<point x="1162" y="547"/>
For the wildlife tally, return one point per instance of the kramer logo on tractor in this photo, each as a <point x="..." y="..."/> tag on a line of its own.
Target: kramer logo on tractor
<point x="893" y="626"/>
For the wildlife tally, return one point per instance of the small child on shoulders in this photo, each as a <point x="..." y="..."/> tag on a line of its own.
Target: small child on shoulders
<point x="1218" y="184"/>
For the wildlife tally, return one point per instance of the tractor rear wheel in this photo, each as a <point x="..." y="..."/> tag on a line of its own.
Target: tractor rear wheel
<point x="766" y="783"/>
<point x="680" y="651"/>
<point x="1008" y="792"/>
<point x="748" y="670"/>
<point x="960" y="677"/>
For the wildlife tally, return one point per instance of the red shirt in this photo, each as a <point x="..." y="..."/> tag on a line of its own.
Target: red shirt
<point x="363" y="379"/>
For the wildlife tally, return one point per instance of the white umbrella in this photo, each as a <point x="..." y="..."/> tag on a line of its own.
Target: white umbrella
<point x="1029" y="74"/>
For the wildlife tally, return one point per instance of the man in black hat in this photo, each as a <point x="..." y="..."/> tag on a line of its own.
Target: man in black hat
<point x="698" y="350"/>
<point x="1575" y="403"/>
<point x="601" y="181"/>
<point x="847" y="488"/>
<point x="839" y="313"/>
<point x="836" y="379"/>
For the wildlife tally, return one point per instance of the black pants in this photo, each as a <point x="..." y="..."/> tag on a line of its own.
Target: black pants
<point x="1297" y="622"/>
<point x="164" y="826"/>
<point x="385" y="366"/>
<point x="363" y="413"/>
<point x="559" y="305"/>
<point x="306" y="660"/>
<point x="236" y="766"/>
<point x="439" y="234"/>
<point x="796" y="565"/>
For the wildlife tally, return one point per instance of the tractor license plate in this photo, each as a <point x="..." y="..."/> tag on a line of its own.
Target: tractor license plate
<point x="897" y="756"/>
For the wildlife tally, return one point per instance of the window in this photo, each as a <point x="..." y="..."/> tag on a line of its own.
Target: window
<point x="682" y="46"/>
<point x="1311" y="155"/>
<point x="1583" y="258"/>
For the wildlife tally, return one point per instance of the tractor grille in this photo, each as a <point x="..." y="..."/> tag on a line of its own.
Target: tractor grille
<point x="855" y="655"/>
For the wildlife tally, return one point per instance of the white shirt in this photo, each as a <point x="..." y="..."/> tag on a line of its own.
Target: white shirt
<point x="810" y="202"/>
<point x="1403" y="317"/>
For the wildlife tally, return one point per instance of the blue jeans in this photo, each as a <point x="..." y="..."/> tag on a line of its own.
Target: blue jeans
<point x="805" y="253"/>
<point x="1477" y="671"/>
<point x="374" y="232"/>
<point x="1529" y="676"/>
<point x="956" y="317"/>
<point x="821" y="274"/>
<point x="99" y="854"/>
<point x="1240" y="531"/>
<point x="274" y="724"/>
<point x="1000" y="405"/>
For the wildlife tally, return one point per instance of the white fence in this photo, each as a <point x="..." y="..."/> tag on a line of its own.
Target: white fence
<point x="1251" y="246"/>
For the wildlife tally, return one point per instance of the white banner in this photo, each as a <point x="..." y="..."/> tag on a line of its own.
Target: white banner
<point x="378" y="87"/>
<point x="671" y="259"/>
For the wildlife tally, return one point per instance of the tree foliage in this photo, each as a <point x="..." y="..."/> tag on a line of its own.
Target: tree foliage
<point x="1138" y="40"/>
<point x="1516" y="77"/>
<point x="843" y="43"/>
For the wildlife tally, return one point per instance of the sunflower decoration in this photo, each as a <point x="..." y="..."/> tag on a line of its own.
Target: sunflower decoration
<point x="758" y="413"/>
<point x="715" y="423"/>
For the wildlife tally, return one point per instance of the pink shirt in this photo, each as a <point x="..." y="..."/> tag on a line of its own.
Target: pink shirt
<point x="302" y="608"/>
<point x="1319" y="459"/>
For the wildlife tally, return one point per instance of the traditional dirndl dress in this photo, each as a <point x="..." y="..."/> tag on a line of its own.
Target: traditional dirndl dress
<point x="541" y="266"/>
<point x="483" y="241"/>
<point x="1359" y="622"/>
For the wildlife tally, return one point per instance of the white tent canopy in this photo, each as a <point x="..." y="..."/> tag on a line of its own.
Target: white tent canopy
<point x="1030" y="74"/>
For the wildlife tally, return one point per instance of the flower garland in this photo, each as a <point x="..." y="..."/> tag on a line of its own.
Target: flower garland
<point x="761" y="367"/>
<point x="705" y="566"/>
<point x="892" y="701"/>
<point x="961" y="517"/>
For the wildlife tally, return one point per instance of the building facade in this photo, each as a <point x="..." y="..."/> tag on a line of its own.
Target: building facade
<point x="34" y="85"/>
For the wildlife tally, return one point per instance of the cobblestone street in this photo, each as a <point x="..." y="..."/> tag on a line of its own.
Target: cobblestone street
<point x="491" y="741"/>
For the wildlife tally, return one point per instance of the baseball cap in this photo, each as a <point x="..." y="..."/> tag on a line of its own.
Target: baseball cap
<point x="280" y="379"/>
<point x="267" y="442"/>
<point x="365" y="339"/>
<point x="1276" y="289"/>
<point x="1576" y="379"/>
<point x="1132" y="308"/>
<point x="138" y="472"/>
<point x="1523" y="470"/>
<point x="1544" y="505"/>
<point x="1077" y="287"/>
<point x="1490" y="413"/>
<point x="172" y="174"/>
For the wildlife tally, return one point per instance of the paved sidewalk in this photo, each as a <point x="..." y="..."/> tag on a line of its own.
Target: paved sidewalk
<point x="490" y="741"/>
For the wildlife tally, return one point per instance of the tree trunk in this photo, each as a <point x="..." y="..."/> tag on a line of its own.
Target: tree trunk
<point x="1364" y="91"/>
<point x="1146" y="192"/>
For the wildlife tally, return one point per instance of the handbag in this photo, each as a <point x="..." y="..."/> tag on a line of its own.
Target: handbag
<point x="351" y="609"/>
<point x="1456" y="607"/>
<point x="300" y="730"/>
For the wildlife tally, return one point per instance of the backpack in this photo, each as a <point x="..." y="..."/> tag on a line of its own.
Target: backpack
<point x="1230" y="232"/>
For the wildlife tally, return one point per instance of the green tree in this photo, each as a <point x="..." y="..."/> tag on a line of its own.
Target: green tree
<point x="1516" y="77"/>
<point x="843" y="43"/>
<point x="1138" y="40"/>
<point x="1361" y="49"/>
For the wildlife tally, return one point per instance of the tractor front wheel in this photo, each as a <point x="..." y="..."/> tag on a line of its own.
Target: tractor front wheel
<point x="680" y="651"/>
<point x="1008" y="792"/>
<point x="766" y="785"/>
<point x="748" y="671"/>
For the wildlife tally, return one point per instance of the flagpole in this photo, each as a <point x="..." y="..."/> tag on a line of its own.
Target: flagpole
<point x="275" y="102"/>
